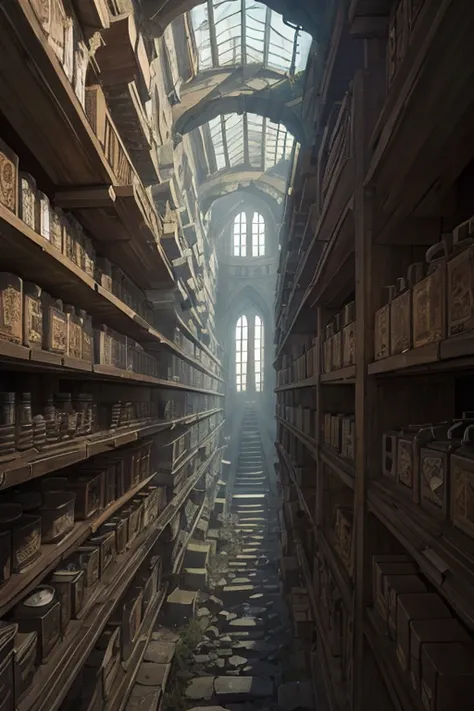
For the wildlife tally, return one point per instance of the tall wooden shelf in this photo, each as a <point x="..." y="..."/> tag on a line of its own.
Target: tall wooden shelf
<point x="402" y="182"/>
<point x="132" y="275"/>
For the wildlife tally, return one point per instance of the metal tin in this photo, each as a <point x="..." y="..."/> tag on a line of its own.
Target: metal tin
<point x="57" y="514"/>
<point x="40" y="612"/>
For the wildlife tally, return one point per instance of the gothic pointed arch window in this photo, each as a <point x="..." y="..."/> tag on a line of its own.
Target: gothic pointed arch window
<point x="248" y="234"/>
<point x="241" y="354"/>
<point x="249" y="353"/>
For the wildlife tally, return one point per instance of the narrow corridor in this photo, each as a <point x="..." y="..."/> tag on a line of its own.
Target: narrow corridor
<point x="239" y="659"/>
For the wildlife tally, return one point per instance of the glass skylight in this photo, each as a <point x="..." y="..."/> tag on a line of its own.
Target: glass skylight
<point x="233" y="32"/>
<point x="248" y="139"/>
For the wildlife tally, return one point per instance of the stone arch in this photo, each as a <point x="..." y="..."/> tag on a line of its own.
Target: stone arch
<point x="160" y="13"/>
<point x="256" y="103"/>
<point x="269" y="187"/>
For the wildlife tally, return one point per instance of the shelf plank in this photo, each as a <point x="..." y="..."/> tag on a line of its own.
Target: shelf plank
<point x="20" y="584"/>
<point x="27" y="253"/>
<point x="53" y="679"/>
<point x="342" y="376"/>
<point x="20" y="469"/>
<point x="307" y="383"/>
<point x="340" y="573"/>
<point x="384" y="651"/>
<point x="126" y="676"/>
<point x="444" y="554"/>
<point x="310" y="443"/>
<point x="13" y="356"/>
<point x="344" y="468"/>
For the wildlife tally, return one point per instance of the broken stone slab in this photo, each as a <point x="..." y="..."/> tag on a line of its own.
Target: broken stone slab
<point x="203" y="612"/>
<point x="201" y="658"/>
<point x="195" y="578"/>
<point x="165" y="634"/>
<point x="255" y="648"/>
<point x="159" y="652"/>
<point x="295" y="694"/>
<point x="201" y="687"/>
<point x="214" y="604"/>
<point x="212" y="632"/>
<point x="242" y="688"/>
<point x="196" y="555"/>
<point x="242" y="581"/>
<point x="225" y="640"/>
<point x="246" y="623"/>
<point x="151" y="674"/>
<point x="180" y="606"/>
<point x="225" y="652"/>
<point x="247" y="634"/>
<point x="236" y="661"/>
<point x="234" y="594"/>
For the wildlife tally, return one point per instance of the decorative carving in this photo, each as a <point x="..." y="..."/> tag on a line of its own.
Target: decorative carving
<point x="382" y="333"/>
<point x="400" y="322"/>
<point x="8" y="177"/>
<point x="462" y="493"/>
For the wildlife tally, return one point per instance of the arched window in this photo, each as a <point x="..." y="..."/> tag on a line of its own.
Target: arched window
<point x="249" y="235"/>
<point x="258" y="235"/>
<point x="240" y="235"/>
<point x="241" y="354"/>
<point x="258" y="354"/>
<point x="249" y="354"/>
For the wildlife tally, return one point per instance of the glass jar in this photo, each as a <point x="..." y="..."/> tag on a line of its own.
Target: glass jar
<point x="83" y="406"/>
<point x="51" y="422"/>
<point x="7" y="423"/>
<point x="66" y="416"/>
<point x="23" y="423"/>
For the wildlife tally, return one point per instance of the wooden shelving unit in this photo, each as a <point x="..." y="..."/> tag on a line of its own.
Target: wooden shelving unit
<point x="111" y="385"/>
<point x="388" y="177"/>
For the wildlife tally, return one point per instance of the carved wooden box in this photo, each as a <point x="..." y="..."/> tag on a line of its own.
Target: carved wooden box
<point x="11" y="308"/>
<point x="462" y="490"/>
<point x="429" y="313"/>
<point x="396" y="585"/>
<point x="384" y="566"/>
<point x="423" y="632"/>
<point x="32" y="316"/>
<point x="434" y="477"/>
<point x="27" y="202"/>
<point x="447" y="676"/>
<point x="382" y="333"/>
<point x="410" y="607"/>
<point x="460" y="292"/>
<point x="54" y="325"/>
<point x="400" y="320"/>
<point x="410" y="439"/>
<point x="8" y="178"/>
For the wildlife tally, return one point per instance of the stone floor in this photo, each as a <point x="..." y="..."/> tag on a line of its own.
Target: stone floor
<point x="245" y="649"/>
<point x="239" y="664"/>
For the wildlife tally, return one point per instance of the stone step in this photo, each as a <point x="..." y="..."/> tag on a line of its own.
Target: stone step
<point x="248" y="498"/>
<point x="235" y="594"/>
<point x="242" y="688"/>
<point x="247" y="634"/>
